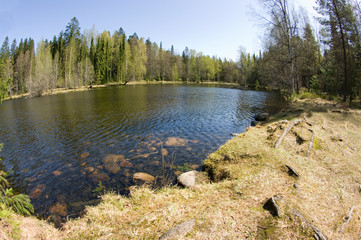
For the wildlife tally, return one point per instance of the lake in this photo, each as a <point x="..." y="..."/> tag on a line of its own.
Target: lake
<point x="57" y="148"/>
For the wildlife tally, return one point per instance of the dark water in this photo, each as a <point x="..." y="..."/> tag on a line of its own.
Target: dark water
<point x="53" y="144"/>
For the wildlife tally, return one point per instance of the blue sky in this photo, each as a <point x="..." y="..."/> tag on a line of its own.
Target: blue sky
<point x="210" y="26"/>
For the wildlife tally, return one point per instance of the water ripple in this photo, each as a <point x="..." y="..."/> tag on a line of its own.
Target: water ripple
<point x="54" y="140"/>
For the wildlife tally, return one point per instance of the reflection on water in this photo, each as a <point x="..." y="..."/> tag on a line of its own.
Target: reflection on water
<point x="59" y="147"/>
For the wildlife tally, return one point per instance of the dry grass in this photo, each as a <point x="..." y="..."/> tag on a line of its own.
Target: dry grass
<point x="246" y="172"/>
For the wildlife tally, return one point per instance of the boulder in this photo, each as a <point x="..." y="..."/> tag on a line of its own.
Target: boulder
<point x="143" y="177"/>
<point x="179" y="231"/>
<point x="176" y="142"/>
<point x="261" y="117"/>
<point x="191" y="178"/>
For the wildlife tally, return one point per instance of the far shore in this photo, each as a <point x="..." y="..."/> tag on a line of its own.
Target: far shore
<point x="143" y="82"/>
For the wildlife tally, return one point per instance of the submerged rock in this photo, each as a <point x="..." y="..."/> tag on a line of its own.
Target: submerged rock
<point x="112" y="158"/>
<point x="143" y="177"/>
<point x="84" y="155"/>
<point x="89" y="169"/>
<point x="112" y="167"/>
<point x="176" y="142"/>
<point x="164" y="152"/>
<point x="154" y="163"/>
<point x="98" y="175"/>
<point x="152" y="149"/>
<point x="111" y="162"/>
<point x="126" y="163"/>
<point x="59" y="209"/>
<point x="39" y="189"/>
<point x="56" y="173"/>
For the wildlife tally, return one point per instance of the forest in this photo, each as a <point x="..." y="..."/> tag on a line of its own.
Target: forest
<point x="294" y="56"/>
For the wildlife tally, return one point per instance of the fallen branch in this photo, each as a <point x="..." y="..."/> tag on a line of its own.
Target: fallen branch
<point x="310" y="145"/>
<point x="285" y="132"/>
<point x="143" y="155"/>
<point x="318" y="234"/>
<point x="308" y="123"/>
<point x="348" y="219"/>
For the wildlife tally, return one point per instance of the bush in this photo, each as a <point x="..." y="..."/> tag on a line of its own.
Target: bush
<point x="19" y="203"/>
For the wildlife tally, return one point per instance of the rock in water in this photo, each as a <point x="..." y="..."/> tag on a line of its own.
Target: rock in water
<point x="111" y="163"/>
<point x="261" y="117"/>
<point x="98" y="175"/>
<point x="84" y="155"/>
<point x="112" y="158"/>
<point x="176" y="142"/>
<point x="112" y="167"/>
<point x="143" y="177"/>
<point x="39" y="189"/>
<point x="179" y="231"/>
<point x="59" y="209"/>
<point x="164" y="152"/>
<point x="126" y="163"/>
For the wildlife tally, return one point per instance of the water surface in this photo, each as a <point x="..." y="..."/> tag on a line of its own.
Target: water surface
<point x="54" y="144"/>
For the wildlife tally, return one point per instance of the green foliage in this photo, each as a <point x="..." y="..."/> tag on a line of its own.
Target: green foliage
<point x="19" y="203"/>
<point x="315" y="84"/>
<point x="185" y="168"/>
<point x="99" y="188"/>
<point x="256" y="85"/>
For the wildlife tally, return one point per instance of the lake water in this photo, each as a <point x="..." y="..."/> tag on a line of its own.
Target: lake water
<point x="56" y="147"/>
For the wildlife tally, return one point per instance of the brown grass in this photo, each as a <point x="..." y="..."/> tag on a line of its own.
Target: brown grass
<point x="246" y="171"/>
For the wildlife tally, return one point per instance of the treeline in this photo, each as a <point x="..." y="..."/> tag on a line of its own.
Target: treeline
<point x="294" y="58"/>
<point x="72" y="59"/>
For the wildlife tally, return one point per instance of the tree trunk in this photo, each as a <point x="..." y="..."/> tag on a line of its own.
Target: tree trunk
<point x="345" y="90"/>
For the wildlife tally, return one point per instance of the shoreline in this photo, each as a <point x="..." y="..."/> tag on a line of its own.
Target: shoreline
<point x="133" y="83"/>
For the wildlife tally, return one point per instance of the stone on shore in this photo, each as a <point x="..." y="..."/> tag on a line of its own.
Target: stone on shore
<point x="261" y="117"/>
<point x="191" y="178"/>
